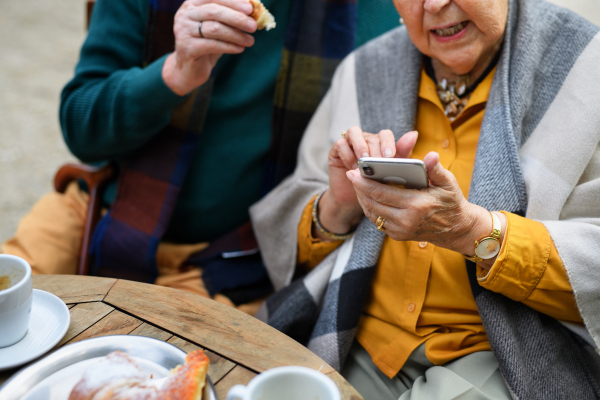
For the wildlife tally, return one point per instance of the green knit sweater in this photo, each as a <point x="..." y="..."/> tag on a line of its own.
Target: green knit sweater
<point x="113" y="106"/>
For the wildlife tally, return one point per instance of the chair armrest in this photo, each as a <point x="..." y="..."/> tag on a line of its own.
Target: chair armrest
<point x="89" y="9"/>
<point x="95" y="178"/>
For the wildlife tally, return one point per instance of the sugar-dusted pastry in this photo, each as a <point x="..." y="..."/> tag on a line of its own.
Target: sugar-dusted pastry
<point x="102" y="379"/>
<point x="142" y="391"/>
<point x="263" y="17"/>
<point x="118" y="377"/>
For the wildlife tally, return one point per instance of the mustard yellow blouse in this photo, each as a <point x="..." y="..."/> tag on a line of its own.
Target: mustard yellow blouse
<point x="420" y="292"/>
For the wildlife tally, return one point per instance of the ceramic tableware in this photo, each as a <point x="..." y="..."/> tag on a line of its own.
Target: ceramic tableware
<point x="48" y="324"/>
<point x="290" y="383"/>
<point x="53" y="377"/>
<point x="15" y="301"/>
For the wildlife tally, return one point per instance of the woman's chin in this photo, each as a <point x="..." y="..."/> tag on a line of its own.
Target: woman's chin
<point x="458" y="62"/>
<point x="460" y="58"/>
<point x="459" y="55"/>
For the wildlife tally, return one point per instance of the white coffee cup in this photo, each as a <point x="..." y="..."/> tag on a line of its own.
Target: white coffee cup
<point x="15" y="302"/>
<point x="289" y="383"/>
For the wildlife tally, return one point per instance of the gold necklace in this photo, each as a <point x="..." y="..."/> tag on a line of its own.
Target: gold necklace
<point x="449" y="94"/>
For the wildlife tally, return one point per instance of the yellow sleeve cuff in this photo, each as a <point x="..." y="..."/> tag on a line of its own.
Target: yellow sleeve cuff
<point x="311" y="251"/>
<point x="522" y="258"/>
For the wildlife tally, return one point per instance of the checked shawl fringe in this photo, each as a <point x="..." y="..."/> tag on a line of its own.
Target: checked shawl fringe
<point x="538" y="356"/>
<point x="330" y="298"/>
<point x="346" y="293"/>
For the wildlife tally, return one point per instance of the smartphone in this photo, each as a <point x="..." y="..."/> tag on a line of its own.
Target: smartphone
<point x="406" y="172"/>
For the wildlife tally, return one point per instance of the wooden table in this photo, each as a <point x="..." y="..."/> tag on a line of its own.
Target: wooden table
<point x="238" y="345"/>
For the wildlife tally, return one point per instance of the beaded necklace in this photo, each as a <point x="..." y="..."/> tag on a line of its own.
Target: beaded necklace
<point x="455" y="95"/>
<point x="450" y="96"/>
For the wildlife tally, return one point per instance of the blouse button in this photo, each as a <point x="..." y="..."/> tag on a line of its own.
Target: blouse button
<point x="411" y="307"/>
<point x="422" y="244"/>
<point x="446" y="143"/>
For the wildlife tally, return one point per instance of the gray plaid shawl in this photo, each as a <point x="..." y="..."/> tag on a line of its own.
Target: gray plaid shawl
<point x="539" y="357"/>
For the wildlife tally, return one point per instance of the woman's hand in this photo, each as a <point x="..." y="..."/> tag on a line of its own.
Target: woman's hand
<point x="439" y="214"/>
<point x="225" y="30"/>
<point x="339" y="209"/>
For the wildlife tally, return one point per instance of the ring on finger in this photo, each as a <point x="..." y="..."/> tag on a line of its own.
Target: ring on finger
<point x="200" y="30"/>
<point x="380" y="221"/>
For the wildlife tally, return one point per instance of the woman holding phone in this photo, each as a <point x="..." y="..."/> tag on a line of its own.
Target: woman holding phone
<point x="451" y="291"/>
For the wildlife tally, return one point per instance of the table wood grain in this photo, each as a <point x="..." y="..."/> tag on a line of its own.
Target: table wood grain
<point x="239" y="346"/>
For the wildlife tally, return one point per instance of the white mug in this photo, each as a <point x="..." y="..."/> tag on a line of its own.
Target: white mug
<point x="289" y="383"/>
<point x="15" y="302"/>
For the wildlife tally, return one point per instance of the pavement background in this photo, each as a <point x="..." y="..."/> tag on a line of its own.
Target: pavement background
<point x="39" y="47"/>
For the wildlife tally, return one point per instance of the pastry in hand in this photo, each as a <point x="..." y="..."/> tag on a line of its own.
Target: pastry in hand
<point x="263" y="17"/>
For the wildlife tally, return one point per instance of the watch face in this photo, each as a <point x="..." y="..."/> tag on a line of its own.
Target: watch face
<point x="487" y="248"/>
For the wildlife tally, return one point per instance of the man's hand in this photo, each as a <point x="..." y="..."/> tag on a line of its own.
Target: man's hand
<point x="226" y="28"/>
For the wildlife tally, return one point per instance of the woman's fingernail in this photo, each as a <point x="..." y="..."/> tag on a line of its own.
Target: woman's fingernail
<point x="388" y="152"/>
<point x="247" y="7"/>
<point x="350" y="175"/>
<point x="365" y="155"/>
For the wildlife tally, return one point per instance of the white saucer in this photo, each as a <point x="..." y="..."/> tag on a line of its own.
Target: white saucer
<point x="48" y="323"/>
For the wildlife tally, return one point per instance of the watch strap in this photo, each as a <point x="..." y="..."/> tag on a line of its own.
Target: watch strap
<point x="496" y="231"/>
<point x="496" y="226"/>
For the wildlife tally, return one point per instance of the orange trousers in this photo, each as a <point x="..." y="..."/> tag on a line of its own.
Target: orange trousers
<point x="49" y="238"/>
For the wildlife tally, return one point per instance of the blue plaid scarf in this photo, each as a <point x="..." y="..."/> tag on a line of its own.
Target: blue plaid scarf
<point x="320" y="34"/>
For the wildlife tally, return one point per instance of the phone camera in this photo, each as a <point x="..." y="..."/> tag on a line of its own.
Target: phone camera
<point x="368" y="171"/>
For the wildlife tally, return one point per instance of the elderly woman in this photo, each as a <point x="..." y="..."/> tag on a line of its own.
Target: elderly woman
<point x="485" y="284"/>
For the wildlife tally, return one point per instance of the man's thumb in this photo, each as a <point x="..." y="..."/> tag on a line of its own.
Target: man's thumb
<point x="438" y="175"/>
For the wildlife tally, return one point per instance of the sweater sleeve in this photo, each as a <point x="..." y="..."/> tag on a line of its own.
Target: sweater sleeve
<point x="113" y="106"/>
<point x="529" y="269"/>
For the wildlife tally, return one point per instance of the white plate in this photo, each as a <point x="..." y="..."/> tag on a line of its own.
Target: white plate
<point x="54" y="376"/>
<point x="48" y="323"/>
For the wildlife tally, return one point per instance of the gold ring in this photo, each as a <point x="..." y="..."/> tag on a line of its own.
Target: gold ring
<point x="380" y="221"/>
<point x="344" y="134"/>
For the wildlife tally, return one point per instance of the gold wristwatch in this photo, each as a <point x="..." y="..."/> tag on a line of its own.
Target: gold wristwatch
<point x="489" y="246"/>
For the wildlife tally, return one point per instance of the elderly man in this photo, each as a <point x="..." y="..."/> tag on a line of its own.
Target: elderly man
<point x="203" y="115"/>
